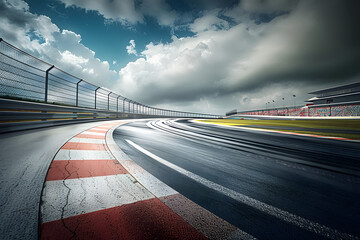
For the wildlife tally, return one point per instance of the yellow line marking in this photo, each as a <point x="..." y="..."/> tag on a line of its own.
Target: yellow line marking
<point x="58" y="112"/>
<point x="18" y="110"/>
<point x="56" y="119"/>
<point x="11" y="121"/>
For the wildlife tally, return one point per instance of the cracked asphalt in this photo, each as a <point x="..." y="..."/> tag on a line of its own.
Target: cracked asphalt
<point x="25" y="157"/>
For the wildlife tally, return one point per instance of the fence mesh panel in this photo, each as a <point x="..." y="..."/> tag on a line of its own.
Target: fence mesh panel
<point x="25" y="77"/>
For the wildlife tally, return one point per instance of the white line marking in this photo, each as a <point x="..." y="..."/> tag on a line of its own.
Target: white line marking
<point x="266" y="208"/>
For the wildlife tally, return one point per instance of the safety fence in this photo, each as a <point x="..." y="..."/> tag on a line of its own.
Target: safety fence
<point x="25" y="77"/>
<point x="325" y="110"/>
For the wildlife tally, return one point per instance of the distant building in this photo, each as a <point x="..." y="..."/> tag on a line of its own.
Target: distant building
<point x="345" y="94"/>
<point x="232" y="112"/>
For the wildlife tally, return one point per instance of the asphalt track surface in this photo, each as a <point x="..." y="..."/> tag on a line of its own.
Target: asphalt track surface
<point x="25" y="157"/>
<point x="270" y="185"/>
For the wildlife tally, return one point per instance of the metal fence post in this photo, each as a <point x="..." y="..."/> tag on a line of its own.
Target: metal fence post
<point x="124" y="104"/>
<point x="95" y="96"/>
<point x="77" y="92"/>
<point x="47" y="83"/>
<point x="109" y="100"/>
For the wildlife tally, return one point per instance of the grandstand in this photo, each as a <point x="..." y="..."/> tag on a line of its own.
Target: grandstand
<point x="337" y="101"/>
<point x="344" y="94"/>
<point x="342" y="100"/>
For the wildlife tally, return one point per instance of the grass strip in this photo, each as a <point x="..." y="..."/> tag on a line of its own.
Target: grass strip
<point x="316" y="124"/>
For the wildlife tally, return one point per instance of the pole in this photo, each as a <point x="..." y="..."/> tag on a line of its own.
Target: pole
<point x="294" y="99"/>
<point x="132" y="106"/>
<point x="123" y="109"/>
<point x="117" y="104"/>
<point x="109" y="100"/>
<point x="95" y="95"/>
<point x="265" y="108"/>
<point x="77" y="92"/>
<point x="47" y="83"/>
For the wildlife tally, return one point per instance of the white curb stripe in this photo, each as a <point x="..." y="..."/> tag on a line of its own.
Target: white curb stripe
<point x="65" y="154"/>
<point x="100" y="128"/>
<point x="63" y="199"/>
<point x="157" y="187"/>
<point x="154" y="185"/>
<point x="87" y="140"/>
<point x="93" y="133"/>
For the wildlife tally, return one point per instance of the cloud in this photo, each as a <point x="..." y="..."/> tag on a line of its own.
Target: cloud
<point x="313" y="45"/>
<point x="37" y="35"/>
<point x="210" y="21"/>
<point x="128" y="11"/>
<point x="67" y="56"/>
<point x="160" y="10"/>
<point x="131" y="48"/>
<point x="241" y="55"/>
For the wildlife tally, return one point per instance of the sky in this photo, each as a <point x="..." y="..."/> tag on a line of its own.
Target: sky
<point x="208" y="56"/>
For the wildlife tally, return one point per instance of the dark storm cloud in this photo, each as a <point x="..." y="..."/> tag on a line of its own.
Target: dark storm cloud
<point x="313" y="43"/>
<point x="14" y="15"/>
<point x="201" y="5"/>
<point x="237" y="52"/>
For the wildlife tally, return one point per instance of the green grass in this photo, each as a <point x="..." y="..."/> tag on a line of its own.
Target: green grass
<point x="316" y="124"/>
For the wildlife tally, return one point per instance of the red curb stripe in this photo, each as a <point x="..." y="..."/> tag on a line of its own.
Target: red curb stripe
<point x="148" y="219"/>
<point x="84" y="146"/>
<point x="90" y="136"/>
<point x="60" y="169"/>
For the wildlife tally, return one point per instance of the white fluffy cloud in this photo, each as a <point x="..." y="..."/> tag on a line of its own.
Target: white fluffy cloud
<point x="243" y="57"/>
<point x="311" y="46"/>
<point x="210" y="21"/>
<point x="36" y="34"/>
<point x="131" y="48"/>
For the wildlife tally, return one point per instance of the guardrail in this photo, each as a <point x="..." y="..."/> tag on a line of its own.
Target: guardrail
<point x="25" y="77"/>
<point x="21" y="115"/>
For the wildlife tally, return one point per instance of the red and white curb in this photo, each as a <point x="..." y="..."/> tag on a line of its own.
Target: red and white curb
<point x="93" y="190"/>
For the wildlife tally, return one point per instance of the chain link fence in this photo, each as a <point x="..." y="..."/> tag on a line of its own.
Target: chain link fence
<point x="25" y="77"/>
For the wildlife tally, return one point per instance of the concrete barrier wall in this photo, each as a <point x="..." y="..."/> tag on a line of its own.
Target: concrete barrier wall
<point x="21" y="115"/>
